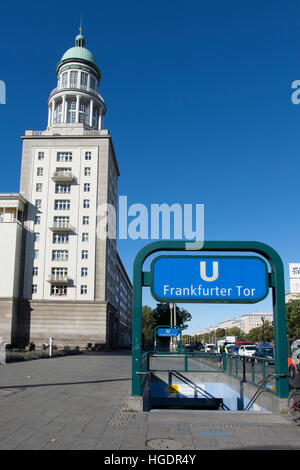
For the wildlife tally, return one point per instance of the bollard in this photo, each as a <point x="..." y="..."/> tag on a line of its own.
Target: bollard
<point x="51" y="341"/>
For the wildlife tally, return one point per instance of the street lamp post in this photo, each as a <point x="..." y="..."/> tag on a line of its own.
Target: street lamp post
<point x="263" y="329"/>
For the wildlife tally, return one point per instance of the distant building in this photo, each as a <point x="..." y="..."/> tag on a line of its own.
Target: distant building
<point x="244" y="323"/>
<point x="255" y="320"/>
<point x="289" y="296"/>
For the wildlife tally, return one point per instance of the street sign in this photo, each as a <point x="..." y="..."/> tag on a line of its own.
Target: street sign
<point x="220" y="279"/>
<point x="167" y="332"/>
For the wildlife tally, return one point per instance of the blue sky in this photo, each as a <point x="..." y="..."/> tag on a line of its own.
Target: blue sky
<point x="198" y="97"/>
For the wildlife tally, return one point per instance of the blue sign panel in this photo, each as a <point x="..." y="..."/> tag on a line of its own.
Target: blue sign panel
<point x="226" y="279"/>
<point x="167" y="332"/>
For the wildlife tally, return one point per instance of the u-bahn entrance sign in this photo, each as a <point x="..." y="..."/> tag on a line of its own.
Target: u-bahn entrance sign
<point x="209" y="279"/>
<point x="226" y="279"/>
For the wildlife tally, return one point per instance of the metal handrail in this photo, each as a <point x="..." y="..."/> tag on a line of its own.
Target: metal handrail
<point x="195" y="386"/>
<point x="260" y="389"/>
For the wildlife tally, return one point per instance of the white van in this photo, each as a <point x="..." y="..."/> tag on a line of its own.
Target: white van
<point x="247" y="350"/>
<point x="210" y="348"/>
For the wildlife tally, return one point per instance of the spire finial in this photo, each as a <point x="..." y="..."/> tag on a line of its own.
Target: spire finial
<point x="80" y="41"/>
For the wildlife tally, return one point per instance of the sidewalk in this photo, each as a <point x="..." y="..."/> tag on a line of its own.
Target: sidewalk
<point x="79" y="402"/>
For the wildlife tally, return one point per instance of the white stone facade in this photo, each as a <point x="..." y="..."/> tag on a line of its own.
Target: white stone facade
<point x="70" y="279"/>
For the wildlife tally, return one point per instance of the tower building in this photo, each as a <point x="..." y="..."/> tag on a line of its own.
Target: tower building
<point x="70" y="279"/>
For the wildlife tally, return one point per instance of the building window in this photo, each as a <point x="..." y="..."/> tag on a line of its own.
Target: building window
<point x="37" y="220"/>
<point x="64" y="80"/>
<point x="71" y="116"/>
<point x="61" y="222"/>
<point x="35" y="254"/>
<point x="60" y="238"/>
<point x="58" y="290"/>
<point x="73" y="79"/>
<point x="64" y="157"/>
<point x="86" y="203"/>
<point x="39" y="187"/>
<point x="59" y="274"/>
<point x="36" y="236"/>
<point x="62" y="204"/>
<point x="34" y="289"/>
<point x="88" y="155"/>
<point x="87" y="171"/>
<point x="40" y="171"/>
<point x="84" y="272"/>
<point x="62" y="188"/>
<point x="35" y="271"/>
<point x="85" y="237"/>
<point x="84" y="254"/>
<point x="84" y="79"/>
<point x="41" y="155"/>
<point x="92" y="83"/>
<point x="87" y="187"/>
<point x="38" y="203"/>
<point x="60" y="255"/>
<point x="83" y="289"/>
<point x="63" y="172"/>
<point x="83" y="112"/>
<point x="85" y="220"/>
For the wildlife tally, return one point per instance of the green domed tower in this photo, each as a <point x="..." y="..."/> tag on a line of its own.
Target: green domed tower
<point x="76" y="100"/>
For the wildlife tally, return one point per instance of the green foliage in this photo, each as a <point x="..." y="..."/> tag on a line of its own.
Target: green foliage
<point x="147" y="326"/>
<point x="160" y="316"/>
<point x="237" y="332"/>
<point x="293" y="318"/>
<point x="261" y="334"/>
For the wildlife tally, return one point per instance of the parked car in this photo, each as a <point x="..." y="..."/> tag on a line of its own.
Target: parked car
<point x="265" y="354"/>
<point x="232" y="350"/>
<point x="198" y="347"/>
<point x="241" y="343"/>
<point x="247" y="350"/>
<point x="212" y="348"/>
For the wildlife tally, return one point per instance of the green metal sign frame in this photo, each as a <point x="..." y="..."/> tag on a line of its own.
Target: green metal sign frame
<point x="276" y="283"/>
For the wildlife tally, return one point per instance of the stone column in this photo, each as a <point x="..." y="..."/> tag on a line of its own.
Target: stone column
<point x="49" y="116"/>
<point x="52" y="111"/>
<point x="100" y="119"/>
<point x="91" y="112"/>
<point x="63" y="106"/>
<point x="77" y="108"/>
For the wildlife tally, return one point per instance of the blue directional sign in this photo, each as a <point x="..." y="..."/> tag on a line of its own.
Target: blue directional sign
<point x="225" y="279"/>
<point x="167" y="332"/>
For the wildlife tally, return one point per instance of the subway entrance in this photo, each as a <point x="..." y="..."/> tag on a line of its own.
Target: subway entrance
<point x="180" y="379"/>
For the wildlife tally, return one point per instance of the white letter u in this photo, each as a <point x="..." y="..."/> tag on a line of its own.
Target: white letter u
<point x="215" y="274"/>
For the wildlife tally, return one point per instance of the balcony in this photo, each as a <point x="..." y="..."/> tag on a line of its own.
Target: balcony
<point x="58" y="279"/>
<point x="61" y="176"/>
<point x="61" y="227"/>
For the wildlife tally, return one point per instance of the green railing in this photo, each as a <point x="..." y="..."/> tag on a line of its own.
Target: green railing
<point x="246" y="369"/>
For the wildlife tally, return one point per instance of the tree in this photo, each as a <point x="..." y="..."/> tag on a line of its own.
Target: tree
<point x="161" y="315"/>
<point x="293" y="318"/>
<point x="147" y="327"/>
<point x="237" y="332"/>
<point x="260" y="334"/>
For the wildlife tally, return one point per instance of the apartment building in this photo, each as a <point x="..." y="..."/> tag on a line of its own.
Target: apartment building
<point x="70" y="287"/>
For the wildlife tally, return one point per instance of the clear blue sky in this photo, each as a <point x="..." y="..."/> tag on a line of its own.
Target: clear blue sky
<point x="198" y="97"/>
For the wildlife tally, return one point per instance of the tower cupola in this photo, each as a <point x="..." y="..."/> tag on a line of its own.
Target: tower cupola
<point x="76" y="101"/>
